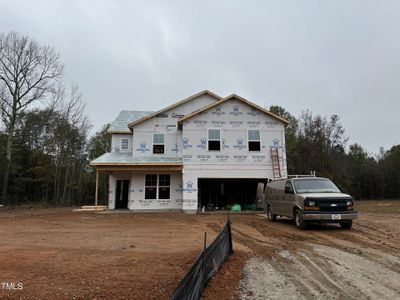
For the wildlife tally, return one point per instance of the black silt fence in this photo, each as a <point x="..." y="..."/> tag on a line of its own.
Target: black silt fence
<point x="205" y="266"/>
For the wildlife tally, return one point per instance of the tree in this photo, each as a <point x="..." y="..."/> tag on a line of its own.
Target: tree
<point x="28" y="72"/>
<point x="321" y="145"/>
<point x="99" y="144"/>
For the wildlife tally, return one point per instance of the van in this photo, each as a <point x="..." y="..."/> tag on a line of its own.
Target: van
<point x="306" y="200"/>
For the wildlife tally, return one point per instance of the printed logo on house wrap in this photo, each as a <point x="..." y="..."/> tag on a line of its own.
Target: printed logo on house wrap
<point x="177" y="116"/>
<point x="240" y="157"/>
<point x="187" y="157"/>
<point x="218" y="111"/>
<point x="162" y="115"/>
<point x="224" y="145"/>
<point x="253" y="123"/>
<point x="142" y="148"/>
<point x="275" y="143"/>
<point x="203" y="144"/>
<point x="222" y="158"/>
<point x="200" y="123"/>
<point x="236" y="112"/>
<point x="218" y="123"/>
<point x="203" y="157"/>
<point x="236" y="123"/>
<point x="253" y="112"/>
<point x="258" y="157"/>
<point x="271" y="123"/>
<point x="240" y="144"/>
<point x="186" y="143"/>
<point x="189" y="187"/>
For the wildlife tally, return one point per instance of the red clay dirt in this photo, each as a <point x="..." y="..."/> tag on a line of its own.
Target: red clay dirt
<point x="58" y="254"/>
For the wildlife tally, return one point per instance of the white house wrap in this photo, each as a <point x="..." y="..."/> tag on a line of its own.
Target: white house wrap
<point x="204" y="151"/>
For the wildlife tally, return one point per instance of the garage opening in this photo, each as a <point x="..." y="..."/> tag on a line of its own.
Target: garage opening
<point x="222" y="193"/>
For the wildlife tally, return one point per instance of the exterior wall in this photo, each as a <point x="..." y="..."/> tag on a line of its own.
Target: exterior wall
<point x="234" y="160"/>
<point x="112" y="183"/>
<point x="234" y="118"/>
<point x="136" y="191"/>
<point x="116" y="142"/>
<point x="165" y="123"/>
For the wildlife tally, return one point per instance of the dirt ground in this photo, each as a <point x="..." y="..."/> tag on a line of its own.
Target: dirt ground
<point x="58" y="254"/>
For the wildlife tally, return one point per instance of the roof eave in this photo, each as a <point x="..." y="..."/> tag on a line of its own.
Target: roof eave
<point x="120" y="131"/>
<point x="99" y="164"/>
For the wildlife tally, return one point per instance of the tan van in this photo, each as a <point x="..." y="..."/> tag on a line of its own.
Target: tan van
<point x="306" y="199"/>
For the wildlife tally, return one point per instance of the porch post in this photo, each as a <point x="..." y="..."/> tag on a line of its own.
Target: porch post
<point x="96" y="198"/>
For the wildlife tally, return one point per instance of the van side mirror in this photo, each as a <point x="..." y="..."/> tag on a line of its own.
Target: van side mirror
<point x="288" y="190"/>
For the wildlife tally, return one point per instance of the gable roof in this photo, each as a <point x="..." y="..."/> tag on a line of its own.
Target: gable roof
<point x="236" y="97"/>
<point x="205" y="92"/>
<point x="120" y="124"/>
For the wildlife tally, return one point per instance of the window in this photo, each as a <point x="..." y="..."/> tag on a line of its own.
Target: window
<point x="164" y="183"/>
<point x="214" y="140"/>
<point x="254" y="140"/>
<point x="157" y="186"/>
<point x="288" y="187"/>
<point x="158" y="143"/>
<point x="125" y="144"/>
<point x="150" y="191"/>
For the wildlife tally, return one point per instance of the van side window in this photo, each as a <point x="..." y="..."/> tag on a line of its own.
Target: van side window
<point x="288" y="187"/>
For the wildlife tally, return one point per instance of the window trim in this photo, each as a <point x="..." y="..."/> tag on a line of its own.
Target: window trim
<point x="248" y="140"/>
<point x="208" y="139"/>
<point x="156" y="144"/>
<point x="157" y="186"/>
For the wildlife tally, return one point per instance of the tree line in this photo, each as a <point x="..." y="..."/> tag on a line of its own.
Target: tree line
<point x="318" y="143"/>
<point x="46" y="146"/>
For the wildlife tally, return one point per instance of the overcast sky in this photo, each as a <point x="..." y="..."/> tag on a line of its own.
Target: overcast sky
<point x="332" y="57"/>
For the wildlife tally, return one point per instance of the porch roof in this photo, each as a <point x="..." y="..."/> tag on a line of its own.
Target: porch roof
<point x="127" y="159"/>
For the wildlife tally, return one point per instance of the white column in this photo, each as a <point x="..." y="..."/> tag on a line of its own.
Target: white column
<point x="111" y="192"/>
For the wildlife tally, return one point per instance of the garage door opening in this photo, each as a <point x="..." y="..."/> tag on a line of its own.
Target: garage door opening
<point x="221" y="193"/>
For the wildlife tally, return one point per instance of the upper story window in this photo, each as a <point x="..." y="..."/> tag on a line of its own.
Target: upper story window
<point x="254" y="140"/>
<point x="158" y="143"/>
<point x="124" y="144"/>
<point x="214" y="139"/>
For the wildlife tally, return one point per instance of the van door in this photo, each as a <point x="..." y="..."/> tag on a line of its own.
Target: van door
<point x="260" y="196"/>
<point x="274" y="196"/>
<point x="288" y="199"/>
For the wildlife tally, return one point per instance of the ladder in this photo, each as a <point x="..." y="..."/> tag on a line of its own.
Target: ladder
<point x="276" y="168"/>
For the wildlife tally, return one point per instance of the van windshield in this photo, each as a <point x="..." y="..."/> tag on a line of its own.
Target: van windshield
<point x="315" y="186"/>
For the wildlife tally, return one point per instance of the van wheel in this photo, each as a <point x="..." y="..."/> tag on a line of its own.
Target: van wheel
<point x="346" y="225"/>
<point x="270" y="215"/>
<point x="298" y="219"/>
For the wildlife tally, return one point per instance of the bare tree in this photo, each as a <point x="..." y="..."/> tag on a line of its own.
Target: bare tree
<point x="28" y="73"/>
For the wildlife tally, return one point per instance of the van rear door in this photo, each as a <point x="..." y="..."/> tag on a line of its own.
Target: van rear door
<point x="260" y="196"/>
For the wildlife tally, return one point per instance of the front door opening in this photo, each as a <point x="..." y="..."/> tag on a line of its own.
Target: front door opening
<point x="122" y="193"/>
<point x="221" y="193"/>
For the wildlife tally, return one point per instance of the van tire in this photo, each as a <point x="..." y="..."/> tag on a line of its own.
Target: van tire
<point x="346" y="225"/>
<point x="298" y="219"/>
<point x="270" y="215"/>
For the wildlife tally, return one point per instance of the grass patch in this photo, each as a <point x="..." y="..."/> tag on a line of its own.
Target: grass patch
<point x="378" y="206"/>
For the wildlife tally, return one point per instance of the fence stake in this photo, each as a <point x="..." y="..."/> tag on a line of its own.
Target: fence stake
<point x="204" y="278"/>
